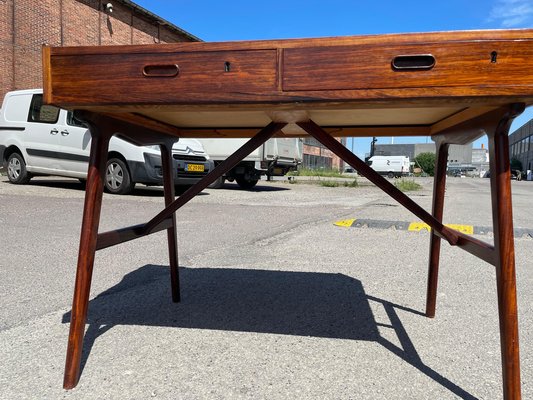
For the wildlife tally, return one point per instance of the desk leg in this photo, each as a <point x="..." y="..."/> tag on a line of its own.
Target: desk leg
<point x="502" y="215"/>
<point x="172" y="236"/>
<point x="439" y="188"/>
<point x="87" y="249"/>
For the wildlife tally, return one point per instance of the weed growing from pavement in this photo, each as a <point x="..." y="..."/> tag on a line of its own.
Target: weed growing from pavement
<point x="406" y="185"/>
<point x="331" y="173"/>
<point x="328" y="183"/>
<point x="325" y="182"/>
<point x="353" y="183"/>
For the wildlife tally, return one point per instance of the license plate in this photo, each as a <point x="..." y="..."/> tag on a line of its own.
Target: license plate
<point x="194" y="168"/>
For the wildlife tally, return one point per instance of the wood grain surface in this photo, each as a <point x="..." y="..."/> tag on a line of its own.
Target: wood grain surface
<point x="240" y="84"/>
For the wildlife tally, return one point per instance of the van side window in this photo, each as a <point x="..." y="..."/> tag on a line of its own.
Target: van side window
<point x="42" y="113"/>
<point x="73" y="121"/>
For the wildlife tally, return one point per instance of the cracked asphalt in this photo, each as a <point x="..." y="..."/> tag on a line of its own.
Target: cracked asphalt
<point x="277" y="301"/>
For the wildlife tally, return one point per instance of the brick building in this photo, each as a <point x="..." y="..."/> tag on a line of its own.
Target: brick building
<point x="317" y="156"/>
<point x="25" y="25"/>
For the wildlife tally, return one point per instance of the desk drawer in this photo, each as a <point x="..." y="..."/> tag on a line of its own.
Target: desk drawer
<point x="163" y="77"/>
<point x="408" y="66"/>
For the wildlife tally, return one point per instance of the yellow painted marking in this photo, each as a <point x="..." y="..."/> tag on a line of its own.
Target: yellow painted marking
<point x="346" y="223"/>
<point x="418" y="226"/>
<point x="468" y="229"/>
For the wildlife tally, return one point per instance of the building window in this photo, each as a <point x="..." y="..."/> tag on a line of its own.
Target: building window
<point x="316" y="162"/>
<point x="310" y="141"/>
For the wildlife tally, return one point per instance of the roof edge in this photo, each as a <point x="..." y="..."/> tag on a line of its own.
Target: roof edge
<point x="143" y="11"/>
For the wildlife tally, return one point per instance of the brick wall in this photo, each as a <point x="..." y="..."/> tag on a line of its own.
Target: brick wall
<point x="322" y="152"/>
<point x="6" y="45"/>
<point x="144" y="32"/>
<point x="35" y="23"/>
<point x="116" y="28"/>
<point x="81" y="25"/>
<point x="25" y="25"/>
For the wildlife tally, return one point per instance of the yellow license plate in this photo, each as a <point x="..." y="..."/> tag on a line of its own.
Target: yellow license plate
<point x="194" y="167"/>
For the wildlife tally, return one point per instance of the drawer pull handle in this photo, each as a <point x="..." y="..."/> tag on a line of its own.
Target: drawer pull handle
<point x="413" y="62"/>
<point x="161" y="71"/>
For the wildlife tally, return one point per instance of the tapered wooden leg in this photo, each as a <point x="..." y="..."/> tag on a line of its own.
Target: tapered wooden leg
<point x="439" y="188"/>
<point x="172" y="236"/>
<point x="505" y="260"/>
<point x="88" y="237"/>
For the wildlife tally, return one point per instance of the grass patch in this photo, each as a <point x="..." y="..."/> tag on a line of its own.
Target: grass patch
<point x="329" y="183"/>
<point x="353" y="183"/>
<point x="406" y="185"/>
<point x="330" y="173"/>
<point x="326" y="183"/>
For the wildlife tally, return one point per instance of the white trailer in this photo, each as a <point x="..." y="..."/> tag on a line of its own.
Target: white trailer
<point x="275" y="157"/>
<point x="392" y="166"/>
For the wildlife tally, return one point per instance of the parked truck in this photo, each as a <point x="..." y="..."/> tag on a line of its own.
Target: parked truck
<point x="275" y="157"/>
<point x="37" y="139"/>
<point x="392" y="166"/>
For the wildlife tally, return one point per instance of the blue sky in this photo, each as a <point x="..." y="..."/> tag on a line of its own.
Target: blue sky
<point x="275" y="19"/>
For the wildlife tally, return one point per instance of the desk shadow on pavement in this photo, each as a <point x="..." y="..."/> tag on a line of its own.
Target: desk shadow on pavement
<point x="291" y="303"/>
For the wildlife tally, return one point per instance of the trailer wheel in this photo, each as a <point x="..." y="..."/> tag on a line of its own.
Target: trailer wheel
<point x="218" y="184"/>
<point x="246" y="183"/>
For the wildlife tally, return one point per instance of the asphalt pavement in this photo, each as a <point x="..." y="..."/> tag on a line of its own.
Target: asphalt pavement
<point x="278" y="302"/>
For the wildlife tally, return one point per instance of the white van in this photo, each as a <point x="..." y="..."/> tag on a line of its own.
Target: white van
<point x="392" y="166"/>
<point x="37" y="139"/>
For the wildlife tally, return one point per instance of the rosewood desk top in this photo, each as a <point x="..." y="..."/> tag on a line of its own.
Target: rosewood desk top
<point x="379" y="85"/>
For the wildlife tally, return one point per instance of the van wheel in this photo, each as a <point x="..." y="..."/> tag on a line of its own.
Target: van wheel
<point x="117" y="177"/>
<point x="390" y="174"/>
<point x="16" y="169"/>
<point x="246" y="183"/>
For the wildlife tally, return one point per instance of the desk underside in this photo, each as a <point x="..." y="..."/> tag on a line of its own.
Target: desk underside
<point x="383" y="85"/>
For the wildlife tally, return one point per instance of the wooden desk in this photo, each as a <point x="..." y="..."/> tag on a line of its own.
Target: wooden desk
<point x="453" y="86"/>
